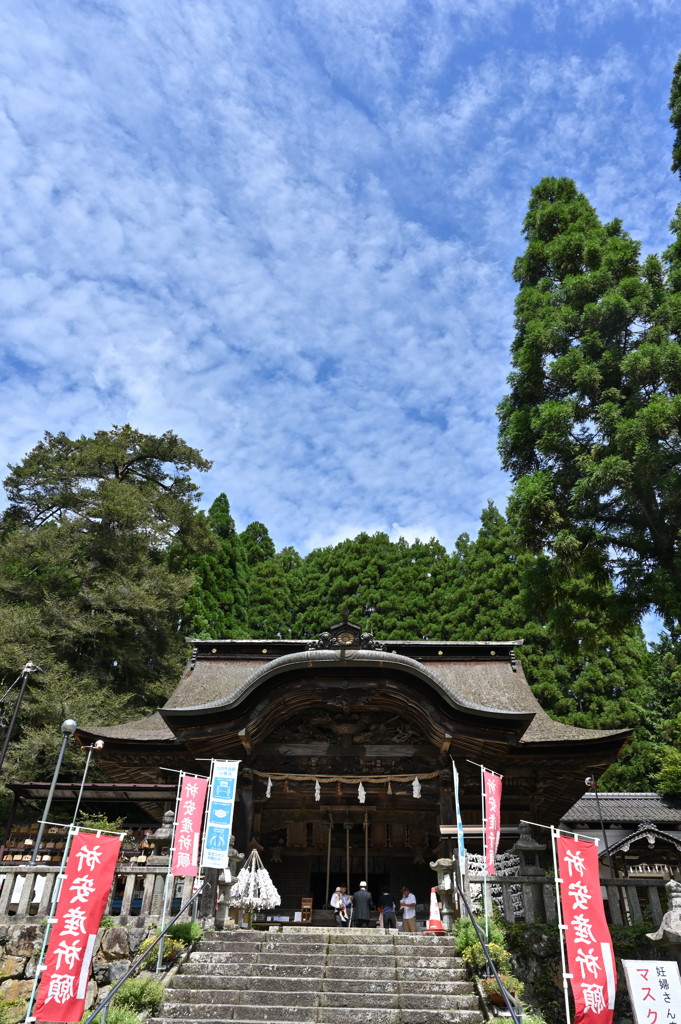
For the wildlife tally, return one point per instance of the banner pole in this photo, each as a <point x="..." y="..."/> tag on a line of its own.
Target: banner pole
<point x="561" y="926"/>
<point x="484" y="852"/>
<point x="161" y="945"/>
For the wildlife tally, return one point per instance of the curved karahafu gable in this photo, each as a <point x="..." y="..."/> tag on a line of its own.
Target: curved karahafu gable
<point x="251" y="699"/>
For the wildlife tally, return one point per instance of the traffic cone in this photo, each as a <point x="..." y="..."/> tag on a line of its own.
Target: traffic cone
<point x="435" y="922"/>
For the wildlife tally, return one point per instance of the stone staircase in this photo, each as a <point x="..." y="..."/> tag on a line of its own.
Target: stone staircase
<point x="319" y="976"/>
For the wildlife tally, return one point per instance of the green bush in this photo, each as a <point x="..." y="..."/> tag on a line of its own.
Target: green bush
<point x="139" y="994"/>
<point x="116" y="1015"/>
<point x="171" y="948"/>
<point x="187" y="931"/>
<point x="465" y="934"/>
<point x="475" y="957"/>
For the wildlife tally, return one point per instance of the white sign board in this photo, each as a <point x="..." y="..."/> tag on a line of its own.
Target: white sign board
<point x="221" y="798"/>
<point x="654" y="989"/>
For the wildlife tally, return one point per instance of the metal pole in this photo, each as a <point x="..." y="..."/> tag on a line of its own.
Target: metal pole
<point x="561" y="926"/>
<point x="328" y="861"/>
<point x="28" y="668"/>
<point x="484" y="853"/>
<point x="591" y="781"/>
<point x="97" y="745"/>
<point x="366" y="846"/>
<point x="347" y="857"/>
<point x="159" y="959"/>
<point x="68" y="728"/>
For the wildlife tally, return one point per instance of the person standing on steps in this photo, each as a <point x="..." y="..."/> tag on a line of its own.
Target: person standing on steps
<point x="408" y="905"/>
<point x="363" y="905"/>
<point x="338" y="904"/>
<point x="386" y="904"/>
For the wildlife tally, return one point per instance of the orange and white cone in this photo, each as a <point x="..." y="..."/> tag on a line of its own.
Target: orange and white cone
<point x="435" y="922"/>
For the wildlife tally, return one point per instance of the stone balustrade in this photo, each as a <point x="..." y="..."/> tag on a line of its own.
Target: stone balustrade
<point x="627" y="899"/>
<point x="141" y="885"/>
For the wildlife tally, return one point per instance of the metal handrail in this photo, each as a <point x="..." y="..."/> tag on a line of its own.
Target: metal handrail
<point x="105" y="1002"/>
<point x="507" y="995"/>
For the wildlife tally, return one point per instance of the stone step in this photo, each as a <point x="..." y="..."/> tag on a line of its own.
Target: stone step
<point x="231" y="996"/>
<point x="199" y="956"/>
<point x="347" y="1015"/>
<point x="407" y="987"/>
<point x="361" y="1000"/>
<point x="302" y="960"/>
<point x="227" y="981"/>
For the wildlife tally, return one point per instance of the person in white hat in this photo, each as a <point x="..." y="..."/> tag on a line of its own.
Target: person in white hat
<point x="363" y="905"/>
<point x="339" y="908"/>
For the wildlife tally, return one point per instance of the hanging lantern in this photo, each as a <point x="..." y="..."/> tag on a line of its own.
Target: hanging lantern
<point x="390" y="789"/>
<point x="317" y="790"/>
<point x="416" y="789"/>
<point x="268" y="794"/>
<point x="339" y="789"/>
<point x="275" y="856"/>
<point x="361" y="793"/>
<point x="285" y="786"/>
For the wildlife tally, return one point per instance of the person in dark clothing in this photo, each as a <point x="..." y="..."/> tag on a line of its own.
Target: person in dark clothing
<point x="386" y="904"/>
<point x="363" y="905"/>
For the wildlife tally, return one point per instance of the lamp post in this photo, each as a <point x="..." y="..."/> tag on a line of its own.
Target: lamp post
<point x="68" y="728"/>
<point x="590" y="781"/>
<point x="28" y="669"/>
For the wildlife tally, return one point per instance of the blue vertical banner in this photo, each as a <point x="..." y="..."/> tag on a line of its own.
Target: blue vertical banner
<point x="219" y="814"/>
<point x="459" y="823"/>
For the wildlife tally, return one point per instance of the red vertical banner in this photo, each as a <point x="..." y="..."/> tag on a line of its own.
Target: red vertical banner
<point x="83" y="896"/>
<point x="188" y="826"/>
<point x="589" y="947"/>
<point x="492" y="784"/>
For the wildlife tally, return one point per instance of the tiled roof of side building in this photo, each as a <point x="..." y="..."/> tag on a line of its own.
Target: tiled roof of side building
<point x="625" y="809"/>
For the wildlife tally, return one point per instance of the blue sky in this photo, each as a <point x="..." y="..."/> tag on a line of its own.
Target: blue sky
<point x="286" y="230"/>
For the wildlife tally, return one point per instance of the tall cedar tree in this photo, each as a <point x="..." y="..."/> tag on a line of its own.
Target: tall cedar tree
<point x="487" y="601"/>
<point x="85" y="589"/>
<point x="217" y="607"/>
<point x="590" y="429"/>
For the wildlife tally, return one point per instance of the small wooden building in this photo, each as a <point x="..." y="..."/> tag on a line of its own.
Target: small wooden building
<point x="320" y="726"/>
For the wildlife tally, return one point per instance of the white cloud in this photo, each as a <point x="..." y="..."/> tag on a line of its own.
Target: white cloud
<point x="287" y="232"/>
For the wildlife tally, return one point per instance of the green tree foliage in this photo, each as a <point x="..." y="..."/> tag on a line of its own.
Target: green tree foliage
<point x="85" y="588"/>
<point x="391" y="588"/>
<point x="590" y="429"/>
<point x="217" y="607"/>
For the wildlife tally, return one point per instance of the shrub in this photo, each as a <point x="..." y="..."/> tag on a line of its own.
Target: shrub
<point x="465" y="934"/>
<point x="116" y="1015"/>
<point x="475" y="957"/>
<point x="187" y="931"/>
<point x="139" y="994"/>
<point x="171" y="948"/>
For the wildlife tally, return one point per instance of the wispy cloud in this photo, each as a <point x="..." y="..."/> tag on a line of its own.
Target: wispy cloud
<point x="287" y="231"/>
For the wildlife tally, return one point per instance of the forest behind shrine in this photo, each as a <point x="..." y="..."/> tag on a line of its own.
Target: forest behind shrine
<point x="107" y="563"/>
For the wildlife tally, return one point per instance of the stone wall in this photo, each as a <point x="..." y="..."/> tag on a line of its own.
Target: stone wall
<point x="20" y="946"/>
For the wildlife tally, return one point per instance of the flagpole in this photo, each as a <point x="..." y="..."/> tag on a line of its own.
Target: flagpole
<point x="484" y="851"/>
<point x="561" y="927"/>
<point x="209" y="790"/>
<point x="161" y="945"/>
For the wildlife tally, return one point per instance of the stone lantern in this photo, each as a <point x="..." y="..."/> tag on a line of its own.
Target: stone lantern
<point x="529" y="852"/>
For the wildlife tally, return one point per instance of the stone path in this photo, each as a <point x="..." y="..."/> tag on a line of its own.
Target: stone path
<point x="316" y="976"/>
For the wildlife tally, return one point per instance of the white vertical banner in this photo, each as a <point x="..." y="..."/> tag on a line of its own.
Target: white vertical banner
<point x="459" y="822"/>
<point x="219" y="814"/>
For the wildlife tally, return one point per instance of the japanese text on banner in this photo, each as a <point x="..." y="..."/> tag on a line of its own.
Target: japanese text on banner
<point x="654" y="989"/>
<point x="220" y="813"/>
<point x="587" y="938"/>
<point x="492" y="784"/>
<point x="188" y="827"/>
<point x="82" y="899"/>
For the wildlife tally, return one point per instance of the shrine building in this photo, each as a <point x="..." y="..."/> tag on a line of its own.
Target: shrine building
<point x="346" y="748"/>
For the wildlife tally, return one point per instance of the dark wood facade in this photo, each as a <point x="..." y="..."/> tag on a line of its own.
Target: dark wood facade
<point x="345" y="705"/>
